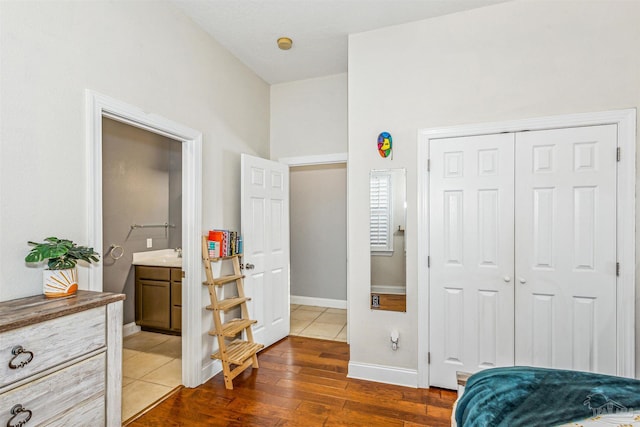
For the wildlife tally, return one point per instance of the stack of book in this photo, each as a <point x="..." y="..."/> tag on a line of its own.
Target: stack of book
<point x="224" y="243"/>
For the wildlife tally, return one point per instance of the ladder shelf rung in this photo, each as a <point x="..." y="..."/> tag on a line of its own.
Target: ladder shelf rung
<point x="233" y="327"/>
<point x="226" y="279"/>
<point x="238" y="351"/>
<point x="228" y="303"/>
<point x="222" y="258"/>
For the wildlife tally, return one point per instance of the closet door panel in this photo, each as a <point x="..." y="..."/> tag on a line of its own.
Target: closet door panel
<point x="565" y="214"/>
<point x="471" y="250"/>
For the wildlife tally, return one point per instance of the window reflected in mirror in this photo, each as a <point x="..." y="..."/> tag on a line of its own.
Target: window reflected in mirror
<point x="387" y="223"/>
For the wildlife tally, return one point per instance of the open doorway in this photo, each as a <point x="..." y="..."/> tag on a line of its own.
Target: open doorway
<point x="318" y="230"/>
<point x="194" y="371"/>
<point x="142" y="248"/>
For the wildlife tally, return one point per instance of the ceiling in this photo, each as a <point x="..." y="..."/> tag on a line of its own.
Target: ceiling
<point x="319" y="29"/>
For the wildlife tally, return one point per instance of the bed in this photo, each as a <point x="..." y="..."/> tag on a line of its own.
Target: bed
<point x="526" y="396"/>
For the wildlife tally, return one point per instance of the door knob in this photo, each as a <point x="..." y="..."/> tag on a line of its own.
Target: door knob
<point x="506" y="279"/>
<point x="522" y="280"/>
<point x="249" y="266"/>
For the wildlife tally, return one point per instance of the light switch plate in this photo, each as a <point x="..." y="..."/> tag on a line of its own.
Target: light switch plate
<point x="149" y="243"/>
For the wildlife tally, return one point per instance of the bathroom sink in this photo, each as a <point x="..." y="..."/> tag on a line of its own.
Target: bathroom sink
<point x="159" y="258"/>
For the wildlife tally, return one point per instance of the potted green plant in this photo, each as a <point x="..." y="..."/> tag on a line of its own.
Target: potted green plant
<point x="61" y="277"/>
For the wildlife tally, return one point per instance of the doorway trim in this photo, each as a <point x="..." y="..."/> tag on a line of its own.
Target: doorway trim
<point x="626" y="240"/>
<point x="321" y="159"/>
<point x="99" y="106"/>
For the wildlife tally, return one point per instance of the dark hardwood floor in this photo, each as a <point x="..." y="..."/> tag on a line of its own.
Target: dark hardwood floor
<point x="301" y="382"/>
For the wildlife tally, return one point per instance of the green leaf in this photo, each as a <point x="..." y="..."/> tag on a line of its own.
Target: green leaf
<point x="60" y="253"/>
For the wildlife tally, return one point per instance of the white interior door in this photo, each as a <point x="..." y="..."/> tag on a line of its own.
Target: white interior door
<point x="471" y="255"/>
<point x="554" y="278"/>
<point x="265" y="231"/>
<point x="566" y="248"/>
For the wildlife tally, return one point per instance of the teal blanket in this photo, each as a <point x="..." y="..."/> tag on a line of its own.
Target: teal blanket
<point x="525" y="396"/>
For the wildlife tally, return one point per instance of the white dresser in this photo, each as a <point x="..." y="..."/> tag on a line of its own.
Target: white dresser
<point x="61" y="361"/>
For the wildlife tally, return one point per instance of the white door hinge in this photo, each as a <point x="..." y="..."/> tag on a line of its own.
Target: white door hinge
<point x="428" y="165"/>
<point x="617" y="269"/>
<point x="429" y="358"/>
<point x="618" y="154"/>
<point x="428" y="262"/>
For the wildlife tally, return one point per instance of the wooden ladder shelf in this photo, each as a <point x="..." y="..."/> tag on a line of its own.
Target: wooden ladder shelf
<point x="235" y="354"/>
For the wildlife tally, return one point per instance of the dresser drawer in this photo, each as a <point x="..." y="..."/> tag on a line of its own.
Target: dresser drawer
<point x="91" y="413"/>
<point x="58" y="398"/>
<point x="51" y="343"/>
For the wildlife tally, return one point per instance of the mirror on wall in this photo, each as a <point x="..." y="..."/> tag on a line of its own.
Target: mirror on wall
<point x="387" y="221"/>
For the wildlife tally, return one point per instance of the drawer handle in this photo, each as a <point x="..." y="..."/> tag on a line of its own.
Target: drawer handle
<point x="18" y="411"/>
<point x="17" y="351"/>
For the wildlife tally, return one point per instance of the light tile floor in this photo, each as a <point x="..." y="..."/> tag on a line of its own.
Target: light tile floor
<point x="319" y="322"/>
<point x="151" y="368"/>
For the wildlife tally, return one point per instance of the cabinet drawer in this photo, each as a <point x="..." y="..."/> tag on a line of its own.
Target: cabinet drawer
<point x="176" y="318"/>
<point x="51" y="343"/>
<point x="176" y="293"/>
<point x="55" y="397"/>
<point x="176" y="275"/>
<point x="153" y="273"/>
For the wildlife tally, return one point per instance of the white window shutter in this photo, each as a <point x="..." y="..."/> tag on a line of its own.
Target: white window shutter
<point x="380" y="236"/>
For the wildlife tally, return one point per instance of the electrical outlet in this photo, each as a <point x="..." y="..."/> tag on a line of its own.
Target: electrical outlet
<point x="149" y="243"/>
<point x="375" y="301"/>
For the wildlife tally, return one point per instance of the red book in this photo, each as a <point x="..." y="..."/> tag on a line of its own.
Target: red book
<point x="217" y="236"/>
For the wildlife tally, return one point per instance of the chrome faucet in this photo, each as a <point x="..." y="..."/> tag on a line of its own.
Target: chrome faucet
<point x="179" y="250"/>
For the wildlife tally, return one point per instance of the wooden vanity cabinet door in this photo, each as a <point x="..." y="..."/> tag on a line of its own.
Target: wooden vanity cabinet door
<point x="154" y="303"/>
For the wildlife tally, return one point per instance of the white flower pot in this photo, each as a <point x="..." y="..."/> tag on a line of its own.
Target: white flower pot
<point x="60" y="283"/>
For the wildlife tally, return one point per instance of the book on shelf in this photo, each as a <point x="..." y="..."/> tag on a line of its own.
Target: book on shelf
<point x="214" y="249"/>
<point x="224" y="243"/>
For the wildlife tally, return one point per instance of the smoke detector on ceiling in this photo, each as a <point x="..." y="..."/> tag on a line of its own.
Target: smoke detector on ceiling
<point x="285" y="43"/>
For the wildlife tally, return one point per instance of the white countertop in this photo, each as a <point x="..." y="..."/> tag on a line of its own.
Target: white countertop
<point x="159" y="258"/>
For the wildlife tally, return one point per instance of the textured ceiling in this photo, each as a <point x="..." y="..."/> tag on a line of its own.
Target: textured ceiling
<point x="319" y="29"/>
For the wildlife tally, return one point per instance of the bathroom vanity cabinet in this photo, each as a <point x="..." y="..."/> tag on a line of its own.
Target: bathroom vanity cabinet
<point x="159" y="298"/>
<point x="61" y="360"/>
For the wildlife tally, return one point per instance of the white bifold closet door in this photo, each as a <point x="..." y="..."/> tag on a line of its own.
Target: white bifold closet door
<point x="471" y="255"/>
<point x="523" y="251"/>
<point x="566" y="248"/>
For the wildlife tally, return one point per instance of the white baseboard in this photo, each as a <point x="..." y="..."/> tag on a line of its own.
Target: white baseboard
<point x="320" y="302"/>
<point x="382" y="289"/>
<point x="383" y="374"/>
<point x="130" y="329"/>
<point x="210" y="370"/>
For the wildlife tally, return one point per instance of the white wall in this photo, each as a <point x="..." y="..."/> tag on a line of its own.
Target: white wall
<point x="147" y="54"/>
<point x="513" y="60"/>
<point x="309" y="117"/>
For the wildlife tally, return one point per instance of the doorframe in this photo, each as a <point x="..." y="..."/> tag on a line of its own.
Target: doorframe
<point x="99" y="106"/>
<point x="626" y="208"/>
<point x="316" y="160"/>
